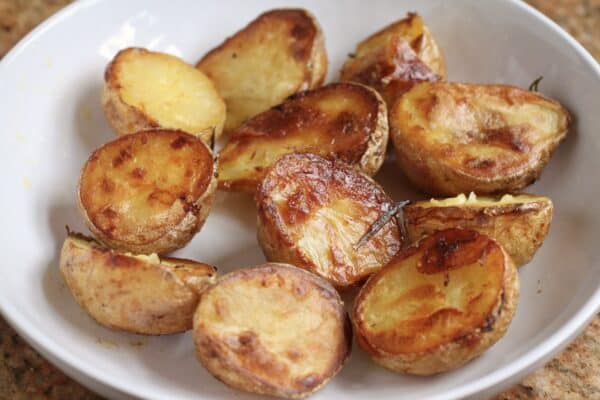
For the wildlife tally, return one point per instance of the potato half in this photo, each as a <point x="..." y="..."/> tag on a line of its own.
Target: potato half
<point x="340" y="121"/>
<point x="272" y="329"/>
<point x="135" y="293"/>
<point x="395" y="58"/>
<point x="453" y="138"/>
<point x="278" y="54"/>
<point x="146" y="89"/>
<point x="148" y="192"/>
<point x="312" y="213"/>
<point x="519" y="223"/>
<point x="438" y="304"/>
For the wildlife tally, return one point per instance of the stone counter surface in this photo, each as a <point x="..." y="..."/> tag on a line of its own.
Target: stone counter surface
<point x="574" y="374"/>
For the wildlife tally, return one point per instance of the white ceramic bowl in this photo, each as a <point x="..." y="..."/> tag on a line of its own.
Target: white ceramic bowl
<point x="51" y="119"/>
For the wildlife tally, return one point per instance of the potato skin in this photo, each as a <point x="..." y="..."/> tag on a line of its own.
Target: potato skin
<point x="147" y="296"/>
<point x="312" y="212"/>
<point x="520" y="227"/>
<point x="452" y="138"/>
<point x="441" y="253"/>
<point x="272" y="329"/>
<point x="279" y="53"/>
<point x="395" y="58"/>
<point x="339" y="121"/>
<point x="125" y="197"/>
<point x="125" y="118"/>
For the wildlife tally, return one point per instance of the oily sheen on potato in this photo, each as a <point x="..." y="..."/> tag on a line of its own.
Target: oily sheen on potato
<point x="453" y="138"/>
<point x="135" y="293"/>
<point x="312" y="213"/>
<point x="272" y="329"/>
<point x="340" y="121"/>
<point x="148" y="192"/>
<point x="147" y="89"/>
<point x="437" y="304"/>
<point x="279" y="53"/>
<point x="519" y="223"/>
<point x="395" y="58"/>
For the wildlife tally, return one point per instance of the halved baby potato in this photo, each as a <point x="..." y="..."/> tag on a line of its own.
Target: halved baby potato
<point x="437" y="304"/>
<point x="148" y="192"/>
<point x="519" y="223"/>
<point x="278" y="54"/>
<point x="272" y="329"/>
<point x="135" y="293"/>
<point x="147" y="89"/>
<point x="395" y="58"/>
<point x="340" y="121"/>
<point x="453" y="138"/>
<point x="313" y="212"/>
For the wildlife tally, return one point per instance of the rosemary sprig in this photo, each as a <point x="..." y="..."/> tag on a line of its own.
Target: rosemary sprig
<point x="213" y="137"/>
<point x="534" y="85"/>
<point x="392" y="209"/>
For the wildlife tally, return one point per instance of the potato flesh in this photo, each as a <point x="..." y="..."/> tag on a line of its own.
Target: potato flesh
<point x="334" y="121"/>
<point x="480" y="130"/>
<point x="408" y="310"/>
<point x="320" y="210"/>
<point x="175" y="94"/>
<point x="472" y="200"/>
<point x="262" y="64"/>
<point x="127" y="192"/>
<point x="276" y="324"/>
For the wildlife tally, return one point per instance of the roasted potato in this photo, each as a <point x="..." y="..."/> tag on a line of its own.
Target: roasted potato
<point x="146" y="90"/>
<point x="313" y="212"/>
<point x="135" y="293"/>
<point x="453" y="138"/>
<point x="340" y="121"/>
<point x="278" y="54"/>
<point x="272" y="329"/>
<point x="395" y="58"/>
<point x="519" y="223"/>
<point x="148" y="192"/>
<point x="438" y="304"/>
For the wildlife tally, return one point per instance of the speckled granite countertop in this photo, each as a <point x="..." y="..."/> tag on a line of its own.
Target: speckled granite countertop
<point x="574" y="374"/>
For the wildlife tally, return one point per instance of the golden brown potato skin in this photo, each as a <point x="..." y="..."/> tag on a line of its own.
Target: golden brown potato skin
<point x="137" y="294"/>
<point x="519" y="225"/>
<point x="272" y="329"/>
<point x="126" y="117"/>
<point x="395" y="58"/>
<point x="340" y="121"/>
<point x="438" y="304"/>
<point x="148" y="192"/>
<point x="453" y="138"/>
<point x="280" y="53"/>
<point x="312" y="212"/>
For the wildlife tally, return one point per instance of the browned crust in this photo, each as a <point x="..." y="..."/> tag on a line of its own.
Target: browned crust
<point x="213" y="355"/>
<point x="113" y="273"/>
<point x="434" y="169"/>
<point x="293" y="115"/>
<point x="456" y="351"/>
<point x="322" y="176"/>
<point x="496" y="221"/>
<point x="399" y="63"/>
<point x="196" y="205"/>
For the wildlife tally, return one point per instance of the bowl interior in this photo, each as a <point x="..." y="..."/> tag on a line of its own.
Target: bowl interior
<point x="52" y="119"/>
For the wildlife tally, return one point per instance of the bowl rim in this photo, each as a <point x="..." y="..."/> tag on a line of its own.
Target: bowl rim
<point x="527" y="361"/>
